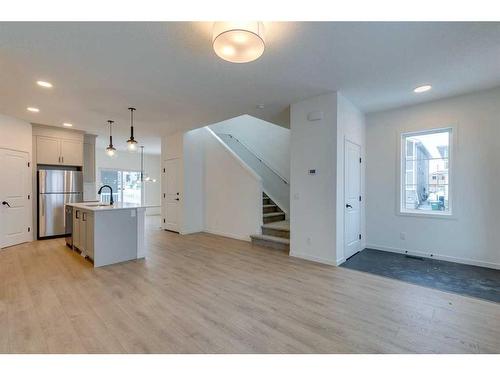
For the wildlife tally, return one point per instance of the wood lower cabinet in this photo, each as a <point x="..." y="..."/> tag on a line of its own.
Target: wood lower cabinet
<point x="89" y="235"/>
<point x="76" y="228"/>
<point x="83" y="232"/>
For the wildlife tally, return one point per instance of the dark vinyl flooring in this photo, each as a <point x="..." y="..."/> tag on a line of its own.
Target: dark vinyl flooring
<point x="452" y="277"/>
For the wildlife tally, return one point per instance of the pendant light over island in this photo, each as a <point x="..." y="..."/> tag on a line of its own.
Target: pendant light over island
<point x="131" y="142"/>
<point x="110" y="150"/>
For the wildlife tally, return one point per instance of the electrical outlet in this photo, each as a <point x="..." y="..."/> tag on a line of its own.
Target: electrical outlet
<point x="402" y="235"/>
<point x="308" y="240"/>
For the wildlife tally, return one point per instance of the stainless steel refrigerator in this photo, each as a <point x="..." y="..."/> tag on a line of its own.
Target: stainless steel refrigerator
<point x="56" y="187"/>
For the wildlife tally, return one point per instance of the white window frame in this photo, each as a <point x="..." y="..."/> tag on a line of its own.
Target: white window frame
<point x="121" y="170"/>
<point x="401" y="180"/>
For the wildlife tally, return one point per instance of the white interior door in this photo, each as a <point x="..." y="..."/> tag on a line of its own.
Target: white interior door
<point x="172" y="195"/>
<point x="352" y="197"/>
<point x="14" y="190"/>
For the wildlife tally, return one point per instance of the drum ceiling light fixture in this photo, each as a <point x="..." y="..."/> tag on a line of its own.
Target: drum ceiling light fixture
<point x="238" y="42"/>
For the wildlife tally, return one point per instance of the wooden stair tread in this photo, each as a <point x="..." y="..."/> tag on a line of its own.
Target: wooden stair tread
<point x="269" y="205"/>
<point x="272" y="214"/>
<point x="264" y="237"/>
<point x="278" y="225"/>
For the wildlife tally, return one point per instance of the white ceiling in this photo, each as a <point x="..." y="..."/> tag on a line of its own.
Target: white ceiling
<point x="169" y="72"/>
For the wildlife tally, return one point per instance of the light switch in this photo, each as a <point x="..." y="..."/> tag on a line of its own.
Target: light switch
<point x="315" y="116"/>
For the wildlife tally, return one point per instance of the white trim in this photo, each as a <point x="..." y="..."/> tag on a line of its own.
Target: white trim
<point x="447" y="258"/>
<point x="361" y="193"/>
<point x="229" y="235"/>
<point x="451" y="213"/>
<point x="313" y="258"/>
<point x="428" y="214"/>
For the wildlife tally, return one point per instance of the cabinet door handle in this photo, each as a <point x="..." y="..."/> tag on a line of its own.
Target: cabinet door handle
<point x="62" y="159"/>
<point x="76" y="214"/>
<point x="84" y="217"/>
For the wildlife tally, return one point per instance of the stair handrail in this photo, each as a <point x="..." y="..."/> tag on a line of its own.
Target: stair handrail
<point x="257" y="156"/>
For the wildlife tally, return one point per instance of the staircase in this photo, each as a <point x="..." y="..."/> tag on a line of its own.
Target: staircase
<point x="276" y="230"/>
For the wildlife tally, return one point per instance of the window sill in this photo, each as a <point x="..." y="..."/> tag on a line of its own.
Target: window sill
<point x="428" y="215"/>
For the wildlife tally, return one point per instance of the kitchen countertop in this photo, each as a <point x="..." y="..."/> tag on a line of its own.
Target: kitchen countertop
<point x="91" y="206"/>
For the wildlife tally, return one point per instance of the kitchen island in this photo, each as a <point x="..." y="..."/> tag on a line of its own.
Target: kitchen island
<point x="109" y="234"/>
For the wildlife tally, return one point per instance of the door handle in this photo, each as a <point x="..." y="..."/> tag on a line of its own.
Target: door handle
<point x="348" y="205"/>
<point x="6" y="204"/>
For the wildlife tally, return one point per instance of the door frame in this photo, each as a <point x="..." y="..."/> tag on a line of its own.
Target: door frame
<point x="165" y="195"/>
<point x="28" y="236"/>
<point x="344" y="194"/>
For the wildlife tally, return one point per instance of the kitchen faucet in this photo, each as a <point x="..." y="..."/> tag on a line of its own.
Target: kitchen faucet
<point x="111" y="201"/>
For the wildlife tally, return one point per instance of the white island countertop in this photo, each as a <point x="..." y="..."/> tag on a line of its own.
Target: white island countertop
<point x="97" y="206"/>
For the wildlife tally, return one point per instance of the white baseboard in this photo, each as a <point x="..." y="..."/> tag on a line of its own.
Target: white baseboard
<point x="448" y="258"/>
<point x="313" y="258"/>
<point x="340" y="261"/>
<point x="229" y="235"/>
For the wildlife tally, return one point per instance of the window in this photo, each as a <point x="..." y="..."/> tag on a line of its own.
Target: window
<point x="425" y="182"/>
<point x="126" y="185"/>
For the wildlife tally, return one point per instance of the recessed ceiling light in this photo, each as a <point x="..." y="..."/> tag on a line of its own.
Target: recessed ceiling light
<point x="44" y="84"/>
<point x="67" y="124"/>
<point x="33" y="109"/>
<point x="238" y="42"/>
<point x="423" y="88"/>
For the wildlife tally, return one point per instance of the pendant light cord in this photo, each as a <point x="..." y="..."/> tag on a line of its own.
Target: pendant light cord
<point x="110" y="133"/>
<point x="132" y="109"/>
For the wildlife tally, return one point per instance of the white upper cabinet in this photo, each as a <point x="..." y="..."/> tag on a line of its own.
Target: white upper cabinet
<point x="58" y="151"/>
<point x="48" y="150"/>
<point x="71" y="152"/>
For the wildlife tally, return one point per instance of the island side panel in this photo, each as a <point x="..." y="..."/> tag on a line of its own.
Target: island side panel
<point x="115" y="236"/>
<point x="141" y="225"/>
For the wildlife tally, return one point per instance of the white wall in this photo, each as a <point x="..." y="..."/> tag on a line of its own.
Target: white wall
<point x="233" y="192"/>
<point x="194" y="182"/>
<point x="313" y="145"/>
<point x="15" y="134"/>
<point x="219" y="193"/>
<point x="132" y="161"/>
<point x="350" y="126"/>
<point x="268" y="141"/>
<point x="472" y="236"/>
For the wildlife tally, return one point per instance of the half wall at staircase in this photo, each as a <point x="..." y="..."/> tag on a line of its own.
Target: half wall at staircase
<point x="265" y="148"/>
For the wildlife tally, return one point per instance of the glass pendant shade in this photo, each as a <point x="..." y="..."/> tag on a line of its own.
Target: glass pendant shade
<point x="238" y="42"/>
